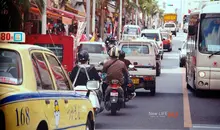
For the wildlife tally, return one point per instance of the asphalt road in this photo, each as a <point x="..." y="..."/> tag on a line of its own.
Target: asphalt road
<point x="172" y="108"/>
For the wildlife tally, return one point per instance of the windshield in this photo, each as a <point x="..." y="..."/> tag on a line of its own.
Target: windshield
<point x="92" y="48"/>
<point x="153" y="36"/>
<point x="169" y="25"/>
<point x="210" y="35"/>
<point x="135" y="49"/>
<point x="131" y="31"/>
<point x="10" y="67"/>
<point x="165" y="35"/>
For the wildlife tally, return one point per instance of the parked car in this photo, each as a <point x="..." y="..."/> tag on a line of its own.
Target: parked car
<point x="154" y="34"/>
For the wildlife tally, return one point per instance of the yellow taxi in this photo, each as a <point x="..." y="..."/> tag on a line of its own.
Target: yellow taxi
<point x="35" y="91"/>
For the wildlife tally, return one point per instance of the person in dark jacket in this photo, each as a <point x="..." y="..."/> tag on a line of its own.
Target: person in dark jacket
<point x="122" y="58"/>
<point x="130" y="89"/>
<point x="83" y="58"/>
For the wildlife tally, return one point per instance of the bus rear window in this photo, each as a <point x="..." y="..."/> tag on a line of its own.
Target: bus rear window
<point x="10" y="67"/>
<point x="56" y="48"/>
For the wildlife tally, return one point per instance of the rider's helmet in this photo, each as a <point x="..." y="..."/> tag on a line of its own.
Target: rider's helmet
<point x="121" y="54"/>
<point x="83" y="56"/>
<point x="114" y="52"/>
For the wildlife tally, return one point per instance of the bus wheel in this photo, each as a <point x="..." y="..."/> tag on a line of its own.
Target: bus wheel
<point x="198" y="93"/>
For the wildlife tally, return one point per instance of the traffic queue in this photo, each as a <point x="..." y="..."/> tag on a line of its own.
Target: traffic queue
<point x="38" y="92"/>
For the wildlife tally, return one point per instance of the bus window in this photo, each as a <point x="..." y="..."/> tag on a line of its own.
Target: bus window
<point x="209" y="41"/>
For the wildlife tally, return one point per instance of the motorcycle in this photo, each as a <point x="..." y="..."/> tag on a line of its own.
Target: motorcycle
<point x="114" y="97"/>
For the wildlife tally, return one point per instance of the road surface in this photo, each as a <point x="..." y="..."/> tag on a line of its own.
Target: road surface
<point x="172" y="108"/>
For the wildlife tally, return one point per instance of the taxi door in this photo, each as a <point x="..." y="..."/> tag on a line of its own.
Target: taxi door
<point x="50" y="98"/>
<point x="69" y="102"/>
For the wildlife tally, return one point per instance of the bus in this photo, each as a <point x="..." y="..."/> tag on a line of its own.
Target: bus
<point x="202" y="61"/>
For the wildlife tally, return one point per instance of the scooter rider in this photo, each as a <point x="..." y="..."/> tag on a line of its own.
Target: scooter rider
<point x="122" y="58"/>
<point x="83" y="58"/>
<point x="130" y="89"/>
<point x="115" y="70"/>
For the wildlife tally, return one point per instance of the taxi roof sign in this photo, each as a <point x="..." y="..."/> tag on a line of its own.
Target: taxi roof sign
<point x="12" y="37"/>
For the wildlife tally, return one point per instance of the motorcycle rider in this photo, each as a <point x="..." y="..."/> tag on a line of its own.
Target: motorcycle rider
<point x="130" y="89"/>
<point x="122" y="58"/>
<point x="115" y="70"/>
<point x="83" y="58"/>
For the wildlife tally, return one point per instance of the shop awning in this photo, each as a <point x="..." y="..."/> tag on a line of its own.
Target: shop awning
<point x="49" y="13"/>
<point x="69" y="14"/>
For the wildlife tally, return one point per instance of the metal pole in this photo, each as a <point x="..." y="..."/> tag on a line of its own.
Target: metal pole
<point x="120" y="21"/>
<point x="87" y="17"/>
<point x="44" y="19"/>
<point x="93" y="15"/>
<point x="136" y="18"/>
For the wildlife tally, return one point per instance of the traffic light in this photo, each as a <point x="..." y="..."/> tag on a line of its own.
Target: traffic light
<point x="170" y="5"/>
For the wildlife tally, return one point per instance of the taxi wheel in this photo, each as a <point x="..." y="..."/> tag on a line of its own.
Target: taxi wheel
<point x="88" y="125"/>
<point x="42" y="126"/>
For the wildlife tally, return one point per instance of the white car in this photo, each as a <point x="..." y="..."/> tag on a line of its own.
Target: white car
<point x="170" y="27"/>
<point x="185" y="28"/>
<point x="97" y="52"/>
<point x="131" y="32"/>
<point x="142" y="55"/>
<point x="154" y="34"/>
<point x="183" y="52"/>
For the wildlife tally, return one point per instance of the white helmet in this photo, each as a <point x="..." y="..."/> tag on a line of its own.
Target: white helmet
<point x="114" y="52"/>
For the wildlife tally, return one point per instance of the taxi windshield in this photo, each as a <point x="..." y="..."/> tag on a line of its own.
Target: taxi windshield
<point x="10" y="67"/>
<point x="210" y="35"/>
<point x="130" y="49"/>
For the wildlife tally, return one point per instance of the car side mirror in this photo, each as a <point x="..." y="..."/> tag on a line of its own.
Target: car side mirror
<point x="131" y="66"/>
<point x="92" y="85"/>
<point x="101" y="63"/>
<point x="158" y="57"/>
<point x="191" y="30"/>
<point x="179" y="49"/>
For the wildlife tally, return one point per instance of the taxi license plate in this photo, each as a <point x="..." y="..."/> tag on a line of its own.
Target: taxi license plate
<point x="135" y="81"/>
<point x="114" y="93"/>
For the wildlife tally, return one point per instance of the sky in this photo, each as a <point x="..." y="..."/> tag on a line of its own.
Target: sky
<point x="182" y="6"/>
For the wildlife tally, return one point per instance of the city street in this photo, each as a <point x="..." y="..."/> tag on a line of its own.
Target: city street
<point x="173" y="106"/>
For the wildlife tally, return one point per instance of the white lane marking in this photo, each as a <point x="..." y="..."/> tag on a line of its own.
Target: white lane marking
<point x="206" y="126"/>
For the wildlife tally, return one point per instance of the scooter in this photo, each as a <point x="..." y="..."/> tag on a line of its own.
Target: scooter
<point x="114" y="98"/>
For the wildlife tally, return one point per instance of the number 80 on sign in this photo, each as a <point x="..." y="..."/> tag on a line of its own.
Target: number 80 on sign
<point x="12" y="37"/>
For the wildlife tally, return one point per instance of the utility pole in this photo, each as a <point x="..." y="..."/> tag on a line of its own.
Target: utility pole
<point x="120" y="20"/>
<point x="44" y="19"/>
<point x="87" y="17"/>
<point x="93" y="15"/>
<point x="136" y="18"/>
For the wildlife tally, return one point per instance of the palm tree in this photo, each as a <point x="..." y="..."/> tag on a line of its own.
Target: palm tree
<point x="149" y="8"/>
<point x="12" y="18"/>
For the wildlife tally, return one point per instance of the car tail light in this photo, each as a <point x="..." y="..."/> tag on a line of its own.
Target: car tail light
<point x="148" y="78"/>
<point x="161" y="44"/>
